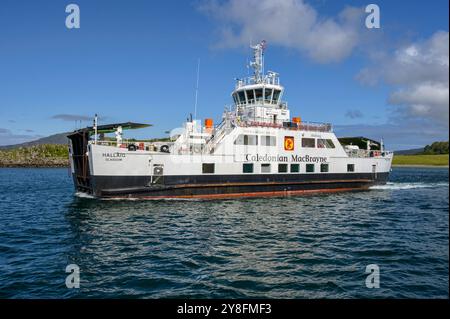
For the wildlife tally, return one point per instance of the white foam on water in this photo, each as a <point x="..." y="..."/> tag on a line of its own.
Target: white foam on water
<point x="402" y="186"/>
<point x="89" y="196"/>
<point x="84" y="195"/>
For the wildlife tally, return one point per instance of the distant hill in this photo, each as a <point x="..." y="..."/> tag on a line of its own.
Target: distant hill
<point x="436" y="148"/>
<point x="61" y="139"/>
<point x="56" y="139"/>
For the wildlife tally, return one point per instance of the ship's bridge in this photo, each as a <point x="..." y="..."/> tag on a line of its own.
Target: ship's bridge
<point x="259" y="98"/>
<point x="269" y="92"/>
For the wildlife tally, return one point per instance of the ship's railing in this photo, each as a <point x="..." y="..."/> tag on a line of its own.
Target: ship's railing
<point x="218" y="134"/>
<point x="314" y="126"/>
<point x="367" y="153"/>
<point x="262" y="101"/>
<point x="303" y="126"/>
<point x="139" y="145"/>
<point x="267" y="79"/>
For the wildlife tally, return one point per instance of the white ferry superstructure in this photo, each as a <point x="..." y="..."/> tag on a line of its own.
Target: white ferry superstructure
<point x="256" y="150"/>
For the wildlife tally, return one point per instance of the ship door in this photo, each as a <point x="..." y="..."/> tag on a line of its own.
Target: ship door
<point x="158" y="174"/>
<point x="275" y="119"/>
<point x="374" y="172"/>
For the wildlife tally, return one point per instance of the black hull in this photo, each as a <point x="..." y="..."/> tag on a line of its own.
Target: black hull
<point x="228" y="186"/>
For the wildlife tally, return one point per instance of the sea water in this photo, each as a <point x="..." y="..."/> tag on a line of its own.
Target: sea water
<point x="315" y="246"/>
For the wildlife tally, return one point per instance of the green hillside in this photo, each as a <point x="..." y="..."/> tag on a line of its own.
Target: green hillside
<point x="47" y="155"/>
<point x="60" y="139"/>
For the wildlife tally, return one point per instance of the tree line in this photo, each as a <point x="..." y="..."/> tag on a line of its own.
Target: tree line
<point x="436" y="148"/>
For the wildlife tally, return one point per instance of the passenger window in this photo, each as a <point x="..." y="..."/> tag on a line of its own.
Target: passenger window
<point x="250" y="139"/>
<point x="247" y="168"/>
<point x="295" y="168"/>
<point x="282" y="168"/>
<point x="208" y="168"/>
<point x="268" y="140"/>
<point x="310" y="168"/>
<point x="322" y="143"/>
<point x="350" y="167"/>
<point x="239" y="140"/>
<point x="265" y="168"/>
<point x="324" y="168"/>
<point x="308" y="142"/>
<point x="246" y="140"/>
<point x="329" y="143"/>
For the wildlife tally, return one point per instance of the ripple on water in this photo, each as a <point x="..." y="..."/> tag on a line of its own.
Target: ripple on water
<point x="295" y="247"/>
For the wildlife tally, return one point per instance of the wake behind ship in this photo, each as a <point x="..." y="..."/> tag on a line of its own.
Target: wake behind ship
<point x="256" y="150"/>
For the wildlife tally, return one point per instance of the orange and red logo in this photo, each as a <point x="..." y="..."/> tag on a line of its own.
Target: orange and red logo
<point x="288" y="143"/>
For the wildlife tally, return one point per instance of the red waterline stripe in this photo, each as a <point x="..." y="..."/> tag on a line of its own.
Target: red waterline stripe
<point x="242" y="195"/>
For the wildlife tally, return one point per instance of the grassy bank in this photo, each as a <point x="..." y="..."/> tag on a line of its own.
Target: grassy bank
<point x="49" y="155"/>
<point x="431" y="160"/>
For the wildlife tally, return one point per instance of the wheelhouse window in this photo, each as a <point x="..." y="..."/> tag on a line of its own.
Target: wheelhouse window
<point x="241" y="95"/>
<point x="267" y="95"/>
<point x="282" y="168"/>
<point x="247" y="168"/>
<point x="235" y="98"/>
<point x="246" y="140"/>
<point x="268" y="140"/>
<point x="208" y="168"/>
<point x="250" y="96"/>
<point x="324" y="168"/>
<point x="265" y="168"/>
<point x="295" y="168"/>
<point x="325" y="143"/>
<point x="310" y="168"/>
<point x="350" y="167"/>
<point x="258" y="94"/>
<point x="276" y="95"/>
<point x="308" y="142"/>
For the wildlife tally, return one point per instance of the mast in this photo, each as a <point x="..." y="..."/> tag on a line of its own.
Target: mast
<point x="95" y="128"/>
<point x="196" y="89"/>
<point x="258" y="61"/>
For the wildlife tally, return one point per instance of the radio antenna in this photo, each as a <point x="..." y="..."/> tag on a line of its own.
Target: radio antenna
<point x="196" y="89"/>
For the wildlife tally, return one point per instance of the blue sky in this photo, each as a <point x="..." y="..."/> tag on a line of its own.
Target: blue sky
<point x="137" y="61"/>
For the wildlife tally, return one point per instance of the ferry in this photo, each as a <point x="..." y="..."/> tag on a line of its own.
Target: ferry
<point x="257" y="150"/>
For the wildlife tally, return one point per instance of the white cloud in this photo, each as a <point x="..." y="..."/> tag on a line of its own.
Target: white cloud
<point x="425" y="100"/>
<point x="419" y="75"/>
<point x="288" y="23"/>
